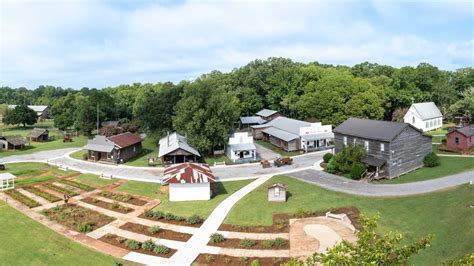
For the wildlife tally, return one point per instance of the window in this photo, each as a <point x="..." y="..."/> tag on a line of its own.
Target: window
<point x="366" y="145"/>
<point x="382" y="146"/>
<point x="277" y="192"/>
<point x="134" y="148"/>
<point x="456" y="140"/>
<point x="355" y="140"/>
<point x="431" y="123"/>
<point x="413" y="120"/>
<point x="344" y="139"/>
<point x="399" y="161"/>
<point x="427" y="124"/>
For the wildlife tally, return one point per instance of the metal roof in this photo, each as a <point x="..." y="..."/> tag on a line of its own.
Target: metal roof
<point x="242" y="147"/>
<point x="5" y="176"/>
<point x="188" y="173"/>
<point x="283" y="135"/>
<point x="173" y="142"/>
<point x="266" y="112"/>
<point x="252" y="120"/>
<point x="427" y="110"/>
<point x="100" y="144"/>
<point x="371" y="129"/>
<point x="288" y="124"/>
<point x="126" y="139"/>
<point x="36" y="108"/>
<point x="36" y="132"/>
<point x="317" y="136"/>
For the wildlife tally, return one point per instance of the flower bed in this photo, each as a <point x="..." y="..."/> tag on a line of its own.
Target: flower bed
<point x="127" y="198"/>
<point x="194" y="220"/>
<point x="278" y="243"/>
<point x="60" y="189"/>
<point x="77" y="218"/>
<point x="116" y="207"/>
<point x="40" y="193"/>
<point x="156" y="232"/>
<point x="76" y="184"/>
<point x="16" y="195"/>
<point x="147" y="247"/>
<point x="211" y="259"/>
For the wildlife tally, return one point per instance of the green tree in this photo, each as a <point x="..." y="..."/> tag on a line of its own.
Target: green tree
<point x="369" y="249"/>
<point x="85" y="115"/>
<point x="21" y="114"/>
<point x="63" y="111"/>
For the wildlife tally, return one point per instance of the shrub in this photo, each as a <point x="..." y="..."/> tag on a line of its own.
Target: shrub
<point x="216" y="238"/>
<point x="195" y="219"/>
<point x="161" y="249"/>
<point x="148" y="245"/>
<point x="327" y="157"/>
<point x="345" y="160"/>
<point x="84" y="228"/>
<point x="431" y="160"/>
<point x="154" y="214"/>
<point x="170" y="217"/>
<point x="121" y="239"/>
<point x="247" y="243"/>
<point x="277" y="242"/>
<point x="114" y="205"/>
<point x="154" y="229"/>
<point x="300" y="212"/>
<point x="210" y="258"/>
<point x="331" y="167"/>
<point x="255" y="262"/>
<point x="358" y="170"/>
<point x="132" y="244"/>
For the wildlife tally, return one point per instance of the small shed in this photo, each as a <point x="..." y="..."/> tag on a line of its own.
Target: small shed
<point x="7" y="181"/>
<point x="12" y="142"/>
<point x="277" y="192"/>
<point x="189" y="181"/>
<point x="39" y="135"/>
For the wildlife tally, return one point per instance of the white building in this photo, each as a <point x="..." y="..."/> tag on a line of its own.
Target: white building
<point x="241" y="147"/>
<point x="424" y="116"/>
<point x="188" y="181"/>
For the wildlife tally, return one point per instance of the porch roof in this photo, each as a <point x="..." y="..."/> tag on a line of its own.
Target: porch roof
<point x="370" y="160"/>
<point x="100" y="144"/>
<point x="242" y="147"/>
<point x="310" y="137"/>
<point x="5" y="176"/>
<point x="278" y="133"/>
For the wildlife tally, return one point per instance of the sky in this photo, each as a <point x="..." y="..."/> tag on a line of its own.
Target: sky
<point x="87" y="43"/>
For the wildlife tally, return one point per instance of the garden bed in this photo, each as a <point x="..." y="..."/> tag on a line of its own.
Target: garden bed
<point x="193" y="221"/>
<point x="279" y="243"/>
<point x="115" y="206"/>
<point x="40" y="193"/>
<point x="162" y="233"/>
<point x="127" y="198"/>
<point x="77" y="218"/>
<point x="211" y="259"/>
<point x="23" y="199"/>
<point x="281" y="221"/>
<point x="60" y="189"/>
<point x="76" y="184"/>
<point x="122" y="242"/>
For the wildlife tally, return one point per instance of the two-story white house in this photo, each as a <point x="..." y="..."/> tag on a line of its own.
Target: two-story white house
<point x="241" y="148"/>
<point x="424" y="116"/>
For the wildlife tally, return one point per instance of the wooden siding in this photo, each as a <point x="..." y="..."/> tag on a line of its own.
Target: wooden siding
<point x="257" y="133"/>
<point x="128" y="153"/>
<point x="286" y="146"/>
<point x="464" y="142"/>
<point x="280" y="198"/>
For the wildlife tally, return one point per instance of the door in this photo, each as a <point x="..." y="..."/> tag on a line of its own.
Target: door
<point x="241" y="154"/>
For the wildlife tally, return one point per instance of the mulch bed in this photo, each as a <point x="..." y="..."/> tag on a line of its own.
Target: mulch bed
<point x="182" y="223"/>
<point x="163" y="233"/>
<point x="117" y="241"/>
<point x="281" y="221"/>
<point x="211" y="259"/>
<point x="107" y="205"/>
<point x="235" y="243"/>
<point x="71" y="216"/>
<point x="112" y="195"/>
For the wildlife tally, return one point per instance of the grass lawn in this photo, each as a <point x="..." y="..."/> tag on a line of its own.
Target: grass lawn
<point x="449" y="166"/>
<point x="444" y="214"/>
<point x="78" y="154"/>
<point x="270" y="146"/>
<point x="27" y="169"/>
<point x="94" y="179"/>
<point x="440" y="133"/>
<point x="140" y="188"/>
<point x="27" y="242"/>
<point x="210" y="160"/>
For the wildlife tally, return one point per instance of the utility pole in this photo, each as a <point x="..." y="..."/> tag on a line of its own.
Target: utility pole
<point x="97" y="118"/>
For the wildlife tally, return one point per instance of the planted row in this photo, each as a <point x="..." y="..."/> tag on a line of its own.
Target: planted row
<point x="115" y="206"/>
<point x="115" y="196"/>
<point x="60" y="190"/>
<point x="147" y="247"/>
<point x="76" y="184"/>
<point x="40" y="193"/>
<point x="194" y="219"/>
<point x="15" y="194"/>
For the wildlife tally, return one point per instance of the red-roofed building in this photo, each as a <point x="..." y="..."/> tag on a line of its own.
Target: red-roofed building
<point x="189" y="181"/>
<point x="119" y="148"/>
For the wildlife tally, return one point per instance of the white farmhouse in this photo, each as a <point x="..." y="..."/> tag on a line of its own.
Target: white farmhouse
<point x="424" y="116"/>
<point x="241" y="147"/>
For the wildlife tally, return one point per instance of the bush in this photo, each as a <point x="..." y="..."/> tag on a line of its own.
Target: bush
<point x="148" y="245"/>
<point x="327" y="157"/>
<point x="154" y="229"/>
<point x="195" y="219"/>
<point x="121" y="239"/>
<point x="255" y="262"/>
<point x="161" y="249"/>
<point x="216" y="238"/>
<point x="358" y="170"/>
<point x="345" y="160"/>
<point x="247" y="243"/>
<point x="132" y="244"/>
<point x="431" y="160"/>
<point x="84" y="228"/>
<point x="170" y="217"/>
<point x="210" y="258"/>
<point x="277" y="242"/>
<point x="331" y="167"/>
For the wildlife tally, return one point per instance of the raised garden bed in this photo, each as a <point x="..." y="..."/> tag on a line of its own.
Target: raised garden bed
<point x="77" y="218"/>
<point x="124" y="243"/>
<point x="116" y="207"/>
<point x="211" y="259"/>
<point x="281" y="221"/>
<point x="127" y="198"/>
<point x="162" y="233"/>
<point x="252" y="244"/>
<point x="60" y="190"/>
<point x="76" y="184"/>
<point x="18" y="196"/>
<point x="40" y="193"/>
<point x="193" y="221"/>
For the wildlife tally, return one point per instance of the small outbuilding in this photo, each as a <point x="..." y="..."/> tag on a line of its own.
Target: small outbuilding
<point x="39" y="135"/>
<point x="277" y="192"/>
<point x="461" y="139"/>
<point x="12" y="143"/>
<point x="189" y="181"/>
<point x="7" y="181"/>
<point x="174" y="148"/>
<point x="268" y="115"/>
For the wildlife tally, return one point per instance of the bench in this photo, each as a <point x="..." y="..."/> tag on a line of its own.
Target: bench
<point x="106" y="177"/>
<point x="219" y="163"/>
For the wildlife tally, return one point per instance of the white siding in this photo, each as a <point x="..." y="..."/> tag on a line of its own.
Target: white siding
<point x="189" y="191"/>
<point x="433" y="124"/>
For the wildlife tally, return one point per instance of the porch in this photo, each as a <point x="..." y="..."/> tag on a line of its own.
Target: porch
<point x="374" y="167"/>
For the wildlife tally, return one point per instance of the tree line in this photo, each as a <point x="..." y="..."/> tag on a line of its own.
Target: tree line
<point x="207" y="107"/>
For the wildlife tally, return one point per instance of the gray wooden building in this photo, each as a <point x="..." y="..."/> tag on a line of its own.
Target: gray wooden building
<point x="174" y="148"/>
<point x="118" y="149"/>
<point x="392" y="148"/>
<point x="277" y="192"/>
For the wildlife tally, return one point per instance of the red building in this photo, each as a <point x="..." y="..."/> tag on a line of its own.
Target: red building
<point x="461" y="139"/>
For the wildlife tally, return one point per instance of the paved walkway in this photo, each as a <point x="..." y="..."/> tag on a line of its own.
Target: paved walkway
<point x="37" y="156"/>
<point x="342" y="184"/>
<point x="265" y="153"/>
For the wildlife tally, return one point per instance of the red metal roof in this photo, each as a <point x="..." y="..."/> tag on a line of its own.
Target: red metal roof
<point x="188" y="173"/>
<point x="125" y="139"/>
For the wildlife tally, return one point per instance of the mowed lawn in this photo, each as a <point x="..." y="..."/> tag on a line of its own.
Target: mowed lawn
<point x="445" y="214"/>
<point x="31" y="169"/>
<point x="449" y="166"/>
<point x="274" y="148"/>
<point x="27" y="242"/>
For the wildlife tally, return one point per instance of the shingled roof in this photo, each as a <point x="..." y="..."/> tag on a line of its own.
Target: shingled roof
<point x="188" y="173"/>
<point x="126" y="139"/>
<point x="37" y="132"/>
<point x="15" y="140"/>
<point x="466" y="131"/>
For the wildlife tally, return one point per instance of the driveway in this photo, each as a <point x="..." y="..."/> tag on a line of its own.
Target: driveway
<point x="37" y="156"/>
<point x="264" y="153"/>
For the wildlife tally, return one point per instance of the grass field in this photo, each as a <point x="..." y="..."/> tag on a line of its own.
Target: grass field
<point x="27" y="169"/>
<point x="94" y="179"/>
<point x="449" y="166"/>
<point x="440" y="133"/>
<point x="27" y="242"/>
<point x="445" y="214"/>
<point x="270" y="146"/>
<point x="210" y="160"/>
